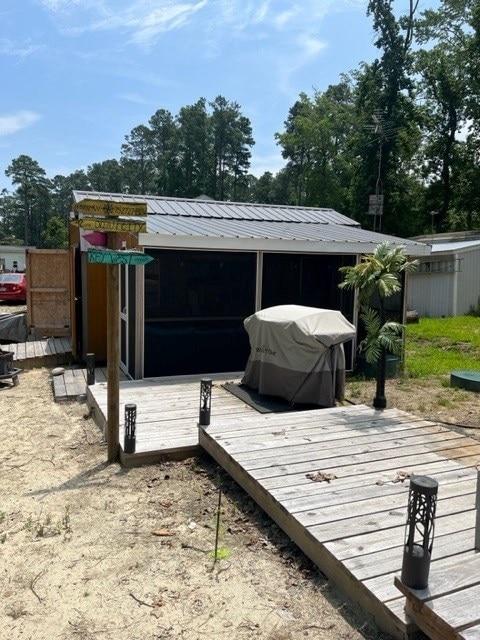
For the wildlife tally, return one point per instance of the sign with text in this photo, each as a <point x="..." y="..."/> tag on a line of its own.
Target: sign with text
<point x="106" y="256"/>
<point x="105" y="224"/>
<point x="110" y="208"/>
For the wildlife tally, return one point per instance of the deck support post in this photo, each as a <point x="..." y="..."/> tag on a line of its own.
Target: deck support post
<point x="419" y="531"/>
<point x="113" y="355"/>
<point x="205" y="401"/>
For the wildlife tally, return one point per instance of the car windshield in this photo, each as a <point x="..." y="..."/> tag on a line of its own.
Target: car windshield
<point x="11" y="277"/>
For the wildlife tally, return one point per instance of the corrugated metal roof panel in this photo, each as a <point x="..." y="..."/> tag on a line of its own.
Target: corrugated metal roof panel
<point x="170" y="225"/>
<point x="454" y="246"/>
<point x="183" y="207"/>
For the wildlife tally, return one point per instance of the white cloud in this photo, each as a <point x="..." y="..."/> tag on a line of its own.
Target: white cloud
<point x="144" y="20"/>
<point x="216" y="22"/>
<point x="302" y="52"/>
<point x="69" y="6"/>
<point x="147" y="29"/>
<point x="18" y="49"/>
<point x="133" y="97"/>
<point x="14" y="122"/>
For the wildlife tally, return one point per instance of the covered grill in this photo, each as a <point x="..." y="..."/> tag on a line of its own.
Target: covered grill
<point x="297" y="353"/>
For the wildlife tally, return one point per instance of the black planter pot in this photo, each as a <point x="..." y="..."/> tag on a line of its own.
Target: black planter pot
<point x="6" y="362"/>
<point x="369" y="370"/>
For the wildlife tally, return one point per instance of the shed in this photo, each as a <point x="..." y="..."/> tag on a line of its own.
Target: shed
<point x="447" y="282"/>
<point x="214" y="264"/>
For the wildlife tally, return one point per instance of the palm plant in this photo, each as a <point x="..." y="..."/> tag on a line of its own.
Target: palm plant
<point x="379" y="274"/>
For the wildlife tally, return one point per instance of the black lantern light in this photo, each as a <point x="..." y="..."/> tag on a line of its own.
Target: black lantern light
<point x="130" y="427"/>
<point x="419" y="531"/>
<point x="90" y="362"/>
<point x="205" y="401"/>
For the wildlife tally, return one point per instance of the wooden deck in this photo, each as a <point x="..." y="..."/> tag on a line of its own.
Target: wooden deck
<point x="49" y="352"/>
<point x="332" y="480"/>
<point x="449" y="609"/>
<point x="167" y="414"/>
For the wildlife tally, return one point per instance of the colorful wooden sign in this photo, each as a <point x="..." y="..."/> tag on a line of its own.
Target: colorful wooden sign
<point x="108" y="256"/>
<point x="105" y="224"/>
<point x="110" y="208"/>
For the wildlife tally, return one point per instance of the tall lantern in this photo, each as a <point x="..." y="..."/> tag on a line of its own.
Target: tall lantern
<point x="205" y="401"/>
<point x="419" y="531"/>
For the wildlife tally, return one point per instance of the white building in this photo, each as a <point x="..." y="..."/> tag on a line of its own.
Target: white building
<point x="447" y="283"/>
<point x="12" y="258"/>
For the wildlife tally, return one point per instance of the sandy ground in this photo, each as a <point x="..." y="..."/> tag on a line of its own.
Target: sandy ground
<point x="92" y="551"/>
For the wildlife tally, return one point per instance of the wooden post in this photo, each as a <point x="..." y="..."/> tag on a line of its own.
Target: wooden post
<point x="111" y="209"/>
<point x="113" y="355"/>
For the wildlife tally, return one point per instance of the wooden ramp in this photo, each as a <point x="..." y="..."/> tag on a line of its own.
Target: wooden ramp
<point x="336" y="481"/>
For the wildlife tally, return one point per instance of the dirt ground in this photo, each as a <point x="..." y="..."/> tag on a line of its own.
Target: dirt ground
<point x="91" y="551"/>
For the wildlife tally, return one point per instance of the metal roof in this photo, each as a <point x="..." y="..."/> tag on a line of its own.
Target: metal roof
<point x="188" y="221"/>
<point x="197" y="208"/>
<point x="167" y="225"/>
<point x="454" y="246"/>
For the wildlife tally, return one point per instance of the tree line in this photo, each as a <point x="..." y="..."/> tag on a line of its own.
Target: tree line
<point x="394" y="144"/>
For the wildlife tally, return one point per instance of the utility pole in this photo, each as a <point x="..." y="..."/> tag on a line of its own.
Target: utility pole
<point x="381" y="129"/>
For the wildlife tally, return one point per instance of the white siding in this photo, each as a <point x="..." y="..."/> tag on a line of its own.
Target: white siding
<point x="431" y="294"/>
<point x="9" y="255"/>
<point x="446" y="284"/>
<point x="468" y="288"/>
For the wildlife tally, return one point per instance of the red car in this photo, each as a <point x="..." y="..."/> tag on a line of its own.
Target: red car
<point x="13" y="286"/>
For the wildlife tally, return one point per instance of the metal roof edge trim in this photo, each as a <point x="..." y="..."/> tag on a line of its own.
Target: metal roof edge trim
<point x="157" y="241"/>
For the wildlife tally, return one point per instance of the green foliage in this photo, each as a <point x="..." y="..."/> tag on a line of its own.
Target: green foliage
<point x="55" y="235"/>
<point x="378" y="273"/>
<point x="387" y="336"/>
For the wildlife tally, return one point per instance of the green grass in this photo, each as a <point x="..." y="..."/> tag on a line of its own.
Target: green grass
<point x="437" y="346"/>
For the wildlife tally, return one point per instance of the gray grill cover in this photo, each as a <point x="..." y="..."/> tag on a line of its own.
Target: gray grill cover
<point x="297" y="353"/>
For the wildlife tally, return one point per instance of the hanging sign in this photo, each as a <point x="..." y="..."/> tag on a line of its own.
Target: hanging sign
<point x="110" y="208"/>
<point x="106" y="256"/>
<point x="105" y="224"/>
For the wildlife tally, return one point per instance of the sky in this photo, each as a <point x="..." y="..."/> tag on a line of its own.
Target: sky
<point x="79" y="75"/>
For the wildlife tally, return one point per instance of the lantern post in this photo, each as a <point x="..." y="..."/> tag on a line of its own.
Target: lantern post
<point x="419" y="531"/>
<point x="205" y="402"/>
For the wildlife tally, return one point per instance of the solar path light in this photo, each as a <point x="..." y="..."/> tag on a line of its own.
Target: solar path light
<point x="205" y="402"/>
<point x="419" y="531"/>
<point x="90" y="362"/>
<point x="130" y="427"/>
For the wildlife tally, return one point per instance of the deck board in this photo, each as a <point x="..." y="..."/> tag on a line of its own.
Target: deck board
<point x="352" y="527"/>
<point x="449" y="608"/>
<point x="167" y="413"/>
